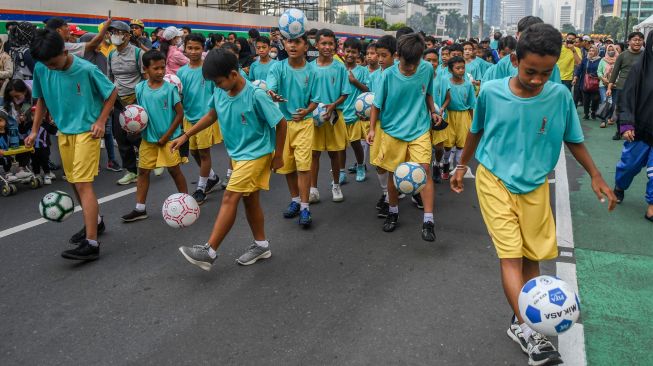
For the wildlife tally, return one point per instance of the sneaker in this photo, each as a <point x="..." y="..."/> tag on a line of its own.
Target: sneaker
<point x="390" y="223"/>
<point x="314" y="196"/>
<point x="305" y="218"/>
<point x="417" y="200"/>
<point x="22" y="174"/>
<point x="445" y="172"/>
<point x="199" y="256"/>
<point x="135" y="215"/>
<point x="159" y="171"/>
<point x="292" y="210"/>
<point x="225" y="182"/>
<point x="435" y="173"/>
<point x="380" y="202"/>
<point x="360" y="173"/>
<point x="336" y="192"/>
<point x="253" y="254"/>
<point x="620" y="193"/>
<point x="384" y="210"/>
<point x="53" y="166"/>
<point x="128" y="178"/>
<point x="51" y="176"/>
<point x="199" y="196"/>
<point x="211" y="184"/>
<point x="114" y="166"/>
<point x="352" y="169"/>
<point x="47" y="180"/>
<point x="11" y="178"/>
<point x="342" y="178"/>
<point x="616" y="136"/>
<point x="541" y="351"/>
<point x="428" y="231"/>
<point x="515" y="333"/>
<point x="83" y="252"/>
<point x="80" y="236"/>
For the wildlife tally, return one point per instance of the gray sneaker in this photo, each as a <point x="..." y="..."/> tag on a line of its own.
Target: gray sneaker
<point x="253" y="254"/>
<point x="198" y="255"/>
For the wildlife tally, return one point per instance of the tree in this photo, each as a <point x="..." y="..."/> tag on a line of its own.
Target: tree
<point x="345" y="19"/>
<point x="599" y="25"/>
<point x="420" y="22"/>
<point x="376" y="22"/>
<point x="567" y="28"/>
<point x="456" y="24"/>
<point x="615" y="27"/>
<point x="396" y="26"/>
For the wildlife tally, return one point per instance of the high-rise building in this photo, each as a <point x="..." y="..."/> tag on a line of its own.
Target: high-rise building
<point x="513" y="10"/>
<point x="639" y="10"/>
<point x="448" y="5"/>
<point x="566" y="15"/>
<point x="493" y="12"/>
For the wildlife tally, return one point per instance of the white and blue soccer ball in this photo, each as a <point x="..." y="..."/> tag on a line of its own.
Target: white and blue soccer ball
<point x="319" y="115"/>
<point x="56" y="206"/>
<point x="260" y="84"/>
<point x="549" y="305"/>
<point x="363" y="105"/>
<point x="410" y="178"/>
<point x="292" y="23"/>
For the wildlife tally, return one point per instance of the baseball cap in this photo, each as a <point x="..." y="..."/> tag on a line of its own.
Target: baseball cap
<point x="75" y="30"/>
<point x="171" y="32"/>
<point x="119" y="25"/>
<point x="137" y="22"/>
<point x="587" y="38"/>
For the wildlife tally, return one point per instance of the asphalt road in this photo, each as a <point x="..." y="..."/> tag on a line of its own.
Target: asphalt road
<point x="341" y="293"/>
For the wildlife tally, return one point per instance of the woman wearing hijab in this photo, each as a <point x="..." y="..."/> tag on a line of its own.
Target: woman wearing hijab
<point x="605" y="69"/>
<point x="586" y="76"/>
<point x="636" y="127"/>
<point x="244" y="52"/>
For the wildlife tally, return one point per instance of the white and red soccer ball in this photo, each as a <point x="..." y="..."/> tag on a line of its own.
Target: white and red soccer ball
<point x="260" y="84"/>
<point x="174" y="80"/>
<point x="133" y="119"/>
<point x="180" y="210"/>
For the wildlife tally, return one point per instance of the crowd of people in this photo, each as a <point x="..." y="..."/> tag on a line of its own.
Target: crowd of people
<point x="509" y="102"/>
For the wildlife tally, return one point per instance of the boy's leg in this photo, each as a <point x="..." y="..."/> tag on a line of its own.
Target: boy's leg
<point x="178" y="177"/>
<point x="142" y="185"/>
<point x="293" y="186"/>
<point x="90" y="207"/>
<point x="358" y="152"/>
<point x="226" y="218"/>
<point x="515" y="272"/>
<point x="336" y="172"/>
<point x="315" y="168"/>
<point x="261" y="247"/>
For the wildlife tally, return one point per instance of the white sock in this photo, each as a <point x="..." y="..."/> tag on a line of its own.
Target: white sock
<point x="314" y="190"/>
<point x="99" y="219"/>
<point x="526" y="330"/>
<point x="229" y="172"/>
<point x="383" y="181"/>
<point x="92" y="243"/>
<point x="304" y="205"/>
<point x="366" y="150"/>
<point x="296" y="199"/>
<point x="394" y="209"/>
<point x="212" y="174"/>
<point x="212" y="252"/>
<point x="262" y="243"/>
<point x="140" y="207"/>
<point x="452" y="157"/>
<point x="459" y="154"/>
<point x="201" y="183"/>
<point x="428" y="216"/>
<point x="387" y="199"/>
<point x="336" y="185"/>
<point x="445" y="157"/>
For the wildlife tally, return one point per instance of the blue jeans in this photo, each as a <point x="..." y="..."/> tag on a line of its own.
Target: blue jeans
<point x="634" y="156"/>
<point x="602" y="90"/>
<point x="108" y="140"/>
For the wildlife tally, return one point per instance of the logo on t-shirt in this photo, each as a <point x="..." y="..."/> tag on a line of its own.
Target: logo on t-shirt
<point x="165" y="104"/>
<point x="543" y="126"/>
<point x="243" y="120"/>
<point x="423" y="89"/>
<point x="333" y="80"/>
<point x="79" y="89"/>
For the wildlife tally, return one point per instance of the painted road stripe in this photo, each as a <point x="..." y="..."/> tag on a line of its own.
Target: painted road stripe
<point x="571" y="344"/>
<point x="33" y="223"/>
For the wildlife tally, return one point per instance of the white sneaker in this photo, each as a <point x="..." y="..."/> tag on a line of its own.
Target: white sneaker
<point x="337" y="194"/>
<point x="22" y="174"/>
<point x="159" y="171"/>
<point x="51" y="176"/>
<point x="47" y="180"/>
<point x="314" y="196"/>
<point x="102" y="144"/>
<point x="11" y="178"/>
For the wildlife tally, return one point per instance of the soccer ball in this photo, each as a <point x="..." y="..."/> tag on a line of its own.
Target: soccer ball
<point x="319" y="115"/>
<point x="180" y="210"/>
<point x="260" y="84"/>
<point x="363" y="105"/>
<point x="133" y="119"/>
<point x="549" y="305"/>
<point x="291" y="23"/>
<point x="56" y="206"/>
<point x="174" y="80"/>
<point x="410" y="178"/>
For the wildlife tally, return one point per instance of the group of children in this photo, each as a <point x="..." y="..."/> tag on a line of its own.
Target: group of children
<point x="424" y="102"/>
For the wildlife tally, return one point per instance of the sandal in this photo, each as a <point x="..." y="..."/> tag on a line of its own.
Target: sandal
<point x="610" y="122"/>
<point x="602" y="125"/>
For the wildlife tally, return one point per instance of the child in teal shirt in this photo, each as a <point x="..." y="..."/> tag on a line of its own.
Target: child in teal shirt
<point x="260" y="68"/>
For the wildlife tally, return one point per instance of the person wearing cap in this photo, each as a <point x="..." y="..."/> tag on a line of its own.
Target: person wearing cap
<point x="170" y="43"/>
<point x="75" y="33"/>
<point x="77" y="49"/>
<point x="138" y="38"/>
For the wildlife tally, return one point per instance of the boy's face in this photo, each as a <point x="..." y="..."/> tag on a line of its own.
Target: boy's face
<point x="479" y="52"/>
<point x="262" y="49"/>
<point x="227" y="83"/>
<point x="635" y="43"/>
<point x="533" y="71"/>
<point x="429" y="44"/>
<point x="386" y="58"/>
<point x="231" y="38"/>
<point x="445" y="56"/>
<point x="468" y="51"/>
<point x="194" y="50"/>
<point x="351" y="55"/>
<point x="326" y="46"/>
<point x="296" y="48"/>
<point x="371" y="56"/>
<point x="408" y="67"/>
<point x="453" y="54"/>
<point x="433" y="59"/>
<point x="505" y="51"/>
<point x="459" y="70"/>
<point x="157" y="70"/>
<point x="57" y="62"/>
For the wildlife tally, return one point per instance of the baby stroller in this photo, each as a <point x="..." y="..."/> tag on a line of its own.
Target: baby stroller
<point x="8" y="182"/>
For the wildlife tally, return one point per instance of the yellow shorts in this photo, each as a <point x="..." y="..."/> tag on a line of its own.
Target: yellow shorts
<point x="365" y="126"/>
<point x="80" y="156"/>
<point x="395" y="151"/>
<point x="459" y="124"/>
<point x="204" y="139"/>
<point x="251" y="175"/>
<point x="438" y="137"/>
<point x="355" y="131"/>
<point x="152" y="156"/>
<point x="375" y="148"/>
<point x="521" y="225"/>
<point x="330" y="137"/>
<point x="297" y="150"/>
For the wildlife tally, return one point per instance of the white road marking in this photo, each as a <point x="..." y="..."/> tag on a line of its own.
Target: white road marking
<point x="571" y="344"/>
<point x="33" y="223"/>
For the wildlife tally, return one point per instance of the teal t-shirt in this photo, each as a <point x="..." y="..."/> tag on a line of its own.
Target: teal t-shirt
<point x="292" y="84"/>
<point x="494" y="44"/>
<point x="243" y="73"/>
<point x="160" y="107"/>
<point x="522" y="137"/>
<point x="476" y="68"/>
<point x="84" y="88"/>
<point x="374" y="79"/>
<point x="402" y="101"/>
<point x="331" y="82"/>
<point x="197" y="92"/>
<point x="504" y="68"/>
<point x="361" y="74"/>
<point x="259" y="71"/>
<point x="247" y="122"/>
<point x="463" y="96"/>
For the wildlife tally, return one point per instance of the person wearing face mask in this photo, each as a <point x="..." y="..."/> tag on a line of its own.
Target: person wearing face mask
<point x="277" y="41"/>
<point x="274" y="52"/>
<point x="171" y="43"/>
<point x="312" y="52"/>
<point x="604" y="71"/>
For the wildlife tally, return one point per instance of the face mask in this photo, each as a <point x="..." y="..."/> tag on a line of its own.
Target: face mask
<point x="611" y="53"/>
<point x="19" y="100"/>
<point x="273" y="55"/>
<point x="311" y="41"/>
<point x="116" y="39"/>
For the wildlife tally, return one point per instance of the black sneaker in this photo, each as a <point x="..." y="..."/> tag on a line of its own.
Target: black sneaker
<point x="435" y="173"/>
<point x="390" y="223"/>
<point x="428" y="231"/>
<point x="211" y="184"/>
<point x="79" y="236"/>
<point x="417" y="200"/>
<point x="616" y="136"/>
<point x="199" y="196"/>
<point x="619" y="193"/>
<point x="541" y="351"/>
<point x="83" y="252"/>
<point x="380" y="202"/>
<point x="135" y="215"/>
<point x="384" y="211"/>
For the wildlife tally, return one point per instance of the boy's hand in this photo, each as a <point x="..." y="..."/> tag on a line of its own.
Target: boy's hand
<point x="299" y="114"/>
<point x="629" y="136"/>
<point x="352" y="78"/>
<point x="436" y="118"/>
<point x="456" y="181"/>
<point x="2" y="152"/>
<point x="29" y="140"/>
<point x="163" y="141"/>
<point x="370" y="137"/>
<point x="329" y="109"/>
<point x="176" y="143"/>
<point x="97" y="129"/>
<point x="276" y="97"/>
<point x="277" y="162"/>
<point x="601" y="188"/>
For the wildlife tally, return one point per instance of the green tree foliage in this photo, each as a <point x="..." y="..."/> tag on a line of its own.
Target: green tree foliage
<point x="376" y="22"/>
<point x="599" y="25"/>
<point x="456" y="24"/>
<point x="567" y="28"/>
<point x="345" y="19"/>
<point x="396" y="26"/>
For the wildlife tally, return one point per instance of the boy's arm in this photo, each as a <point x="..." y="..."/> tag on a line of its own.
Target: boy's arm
<point x="445" y="105"/>
<point x="209" y="118"/>
<point x="599" y="186"/>
<point x="360" y="86"/>
<point x="95" y="42"/>
<point x="301" y="113"/>
<point x="36" y="124"/>
<point x="277" y="161"/>
<point x="374" y="117"/>
<point x="179" y="110"/>
<point x="468" y="151"/>
<point x="97" y="129"/>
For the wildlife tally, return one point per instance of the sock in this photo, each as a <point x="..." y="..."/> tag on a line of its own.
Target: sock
<point x="428" y="217"/>
<point x="201" y="183"/>
<point x="140" y="207"/>
<point x="342" y="170"/>
<point x="366" y="150"/>
<point x="452" y="157"/>
<point x="212" y="252"/>
<point x="296" y="199"/>
<point x="99" y="219"/>
<point x="459" y="154"/>
<point x="336" y="185"/>
<point x="262" y="243"/>
<point x="526" y="330"/>
<point x="394" y="209"/>
<point x="383" y="181"/>
<point x="229" y="172"/>
<point x="445" y="157"/>
<point x="314" y="190"/>
<point x="304" y="205"/>
<point x="387" y="200"/>
<point x="93" y="243"/>
<point x="212" y="175"/>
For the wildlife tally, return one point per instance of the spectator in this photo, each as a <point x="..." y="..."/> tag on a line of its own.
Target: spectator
<point x="78" y="49"/>
<point x="430" y="42"/>
<point x="231" y="37"/>
<point x="185" y="31"/>
<point x="276" y="41"/>
<point x="154" y="37"/>
<point x="75" y="33"/>
<point x="312" y="52"/>
<point x="170" y="46"/>
<point x="494" y="44"/>
<point x="216" y="41"/>
<point x="138" y="38"/>
<point x="6" y="68"/>
<point x="21" y="58"/>
<point x="245" y="56"/>
<point x="253" y="36"/>
<point x="274" y="52"/>
<point x="570" y="56"/>
<point x="605" y="70"/>
<point x="9" y="27"/>
<point x="587" y="78"/>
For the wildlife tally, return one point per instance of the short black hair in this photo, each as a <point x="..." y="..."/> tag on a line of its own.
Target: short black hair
<point x="454" y="60"/>
<point x="187" y="28"/>
<point x="507" y="42"/>
<point x="151" y="56"/>
<point x="263" y="39"/>
<point x="410" y="47"/>
<point x="572" y="34"/>
<point x="456" y="47"/>
<point x="312" y="32"/>
<point x="542" y="39"/>
<point x="253" y="33"/>
<point x="55" y="23"/>
<point x="215" y="38"/>
<point x="467" y="43"/>
<point x="274" y="29"/>
<point x="234" y="34"/>
<point x="46" y="45"/>
<point x="445" y="48"/>
<point x="231" y="47"/>
<point x="219" y="63"/>
<point x="430" y="39"/>
<point x="303" y="36"/>
<point x="387" y="42"/>
<point x="403" y="31"/>
<point x="370" y="45"/>
<point x="325" y="32"/>
<point x="635" y="34"/>
<point x="10" y="24"/>
<point x="196" y="37"/>
<point x="431" y="51"/>
<point x="354" y="43"/>
<point x="527" y="21"/>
